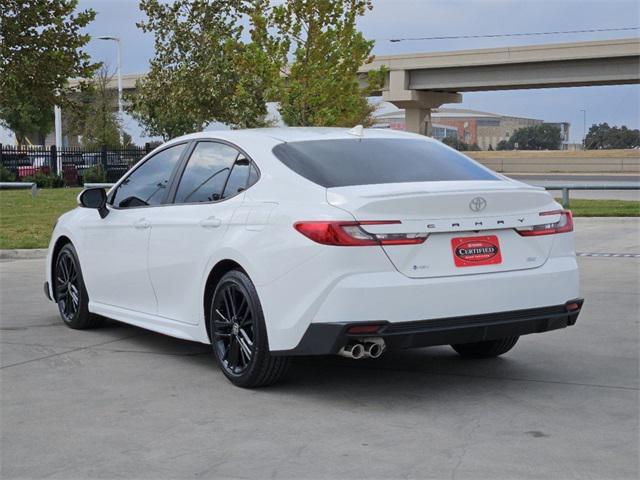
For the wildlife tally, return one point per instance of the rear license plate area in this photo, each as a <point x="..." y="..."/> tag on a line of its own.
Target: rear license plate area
<point x="475" y="251"/>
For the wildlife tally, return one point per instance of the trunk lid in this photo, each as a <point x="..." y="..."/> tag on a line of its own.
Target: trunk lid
<point x="474" y="219"/>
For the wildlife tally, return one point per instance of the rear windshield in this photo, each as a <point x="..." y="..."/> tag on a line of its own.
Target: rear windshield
<point x="347" y="162"/>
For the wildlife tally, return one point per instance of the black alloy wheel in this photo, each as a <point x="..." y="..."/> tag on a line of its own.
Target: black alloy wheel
<point x="70" y="292"/>
<point x="233" y="323"/>
<point x="239" y="335"/>
<point x="67" y="286"/>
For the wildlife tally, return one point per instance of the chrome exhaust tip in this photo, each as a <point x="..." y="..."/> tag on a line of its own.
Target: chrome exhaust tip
<point x="355" y="351"/>
<point x="374" y="350"/>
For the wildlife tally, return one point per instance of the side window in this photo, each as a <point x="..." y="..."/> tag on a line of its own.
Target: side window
<point x="147" y="185"/>
<point x="239" y="177"/>
<point x="206" y="173"/>
<point x="253" y="175"/>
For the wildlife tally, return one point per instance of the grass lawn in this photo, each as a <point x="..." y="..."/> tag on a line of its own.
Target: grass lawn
<point x="27" y="222"/>
<point x="603" y="208"/>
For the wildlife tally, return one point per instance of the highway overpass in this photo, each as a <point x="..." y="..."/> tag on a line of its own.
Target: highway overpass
<point x="419" y="82"/>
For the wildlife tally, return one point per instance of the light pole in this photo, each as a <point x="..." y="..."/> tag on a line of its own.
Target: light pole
<point x="120" y="112"/>
<point x="584" y="129"/>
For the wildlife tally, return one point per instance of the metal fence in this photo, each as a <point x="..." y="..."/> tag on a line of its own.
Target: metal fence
<point x="26" y="161"/>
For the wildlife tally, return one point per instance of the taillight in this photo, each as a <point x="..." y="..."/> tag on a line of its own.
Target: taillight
<point x="351" y="234"/>
<point x="565" y="224"/>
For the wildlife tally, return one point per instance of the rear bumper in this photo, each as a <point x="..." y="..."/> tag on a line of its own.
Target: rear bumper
<point x="326" y="292"/>
<point x="328" y="338"/>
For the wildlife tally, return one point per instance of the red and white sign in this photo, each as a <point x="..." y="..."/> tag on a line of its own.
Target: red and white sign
<point x="474" y="251"/>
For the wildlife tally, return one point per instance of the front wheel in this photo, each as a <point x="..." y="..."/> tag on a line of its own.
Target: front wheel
<point x="239" y="336"/>
<point x="486" y="349"/>
<point x="70" y="291"/>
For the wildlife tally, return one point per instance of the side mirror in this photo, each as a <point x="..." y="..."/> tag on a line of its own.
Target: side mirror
<point x="94" y="198"/>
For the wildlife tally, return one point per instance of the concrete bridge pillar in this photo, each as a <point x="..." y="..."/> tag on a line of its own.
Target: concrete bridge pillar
<point x="417" y="119"/>
<point x="416" y="103"/>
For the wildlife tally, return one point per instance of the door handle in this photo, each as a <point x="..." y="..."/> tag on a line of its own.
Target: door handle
<point x="142" y="223"/>
<point x="211" y="222"/>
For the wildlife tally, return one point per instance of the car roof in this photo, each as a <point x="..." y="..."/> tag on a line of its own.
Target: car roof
<point x="296" y="134"/>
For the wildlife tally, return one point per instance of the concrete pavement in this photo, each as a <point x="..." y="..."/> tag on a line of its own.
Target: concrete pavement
<point x="123" y="402"/>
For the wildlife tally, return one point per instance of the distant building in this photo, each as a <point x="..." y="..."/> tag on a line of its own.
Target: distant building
<point x="395" y="121"/>
<point x="439" y="131"/>
<point x="471" y="126"/>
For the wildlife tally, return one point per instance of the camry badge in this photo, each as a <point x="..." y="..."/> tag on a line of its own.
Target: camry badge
<point x="477" y="204"/>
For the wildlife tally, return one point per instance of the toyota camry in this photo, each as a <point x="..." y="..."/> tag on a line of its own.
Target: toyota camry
<point x="274" y="243"/>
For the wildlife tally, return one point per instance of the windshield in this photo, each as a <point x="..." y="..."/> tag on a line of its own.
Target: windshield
<point x="348" y="162"/>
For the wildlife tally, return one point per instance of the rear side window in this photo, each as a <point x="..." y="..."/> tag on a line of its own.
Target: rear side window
<point x="239" y="177"/>
<point x="206" y="173"/>
<point x="368" y="161"/>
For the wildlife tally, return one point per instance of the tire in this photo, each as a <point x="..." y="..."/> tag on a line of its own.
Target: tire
<point x="239" y="335"/>
<point x="487" y="349"/>
<point x="70" y="292"/>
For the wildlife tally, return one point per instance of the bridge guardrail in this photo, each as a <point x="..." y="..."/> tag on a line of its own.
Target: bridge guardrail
<point x="566" y="187"/>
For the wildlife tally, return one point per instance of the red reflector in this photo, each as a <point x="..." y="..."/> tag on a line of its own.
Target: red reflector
<point x="363" y="329"/>
<point x="572" y="306"/>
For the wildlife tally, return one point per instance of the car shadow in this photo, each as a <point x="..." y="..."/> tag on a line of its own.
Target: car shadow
<point x="417" y="372"/>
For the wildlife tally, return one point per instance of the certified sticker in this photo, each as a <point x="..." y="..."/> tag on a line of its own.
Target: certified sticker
<point x="473" y="251"/>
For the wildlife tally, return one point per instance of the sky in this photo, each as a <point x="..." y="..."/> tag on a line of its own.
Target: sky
<point x="616" y="105"/>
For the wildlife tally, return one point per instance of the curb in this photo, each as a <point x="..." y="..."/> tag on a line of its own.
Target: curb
<point x="23" y="254"/>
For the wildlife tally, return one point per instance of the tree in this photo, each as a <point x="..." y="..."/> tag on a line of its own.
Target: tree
<point x="504" y="145"/>
<point x="536" y="137"/>
<point x="455" y="142"/>
<point x="321" y="87"/>
<point x="202" y="71"/>
<point x="603" y="136"/>
<point x="41" y="47"/>
<point x="100" y="126"/>
<point x="94" y="115"/>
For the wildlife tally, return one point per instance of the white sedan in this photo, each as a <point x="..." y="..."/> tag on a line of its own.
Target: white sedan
<point x="272" y="243"/>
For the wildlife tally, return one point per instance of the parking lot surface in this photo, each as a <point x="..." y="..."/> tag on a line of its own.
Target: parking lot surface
<point x="121" y="402"/>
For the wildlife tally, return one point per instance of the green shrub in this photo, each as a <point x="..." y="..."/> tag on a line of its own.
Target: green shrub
<point x="57" y="181"/>
<point x="454" y="142"/>
<point x="46" y="181"/>
<point x="39" y="178"/>
<point x="6" y="175"/>
<point x="94" y="174"/>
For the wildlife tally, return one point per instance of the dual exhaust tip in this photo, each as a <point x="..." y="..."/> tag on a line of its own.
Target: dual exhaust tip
<point x="370" y="348"/>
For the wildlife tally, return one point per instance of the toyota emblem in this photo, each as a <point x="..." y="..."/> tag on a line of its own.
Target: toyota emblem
<point x="477" y="204"/>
